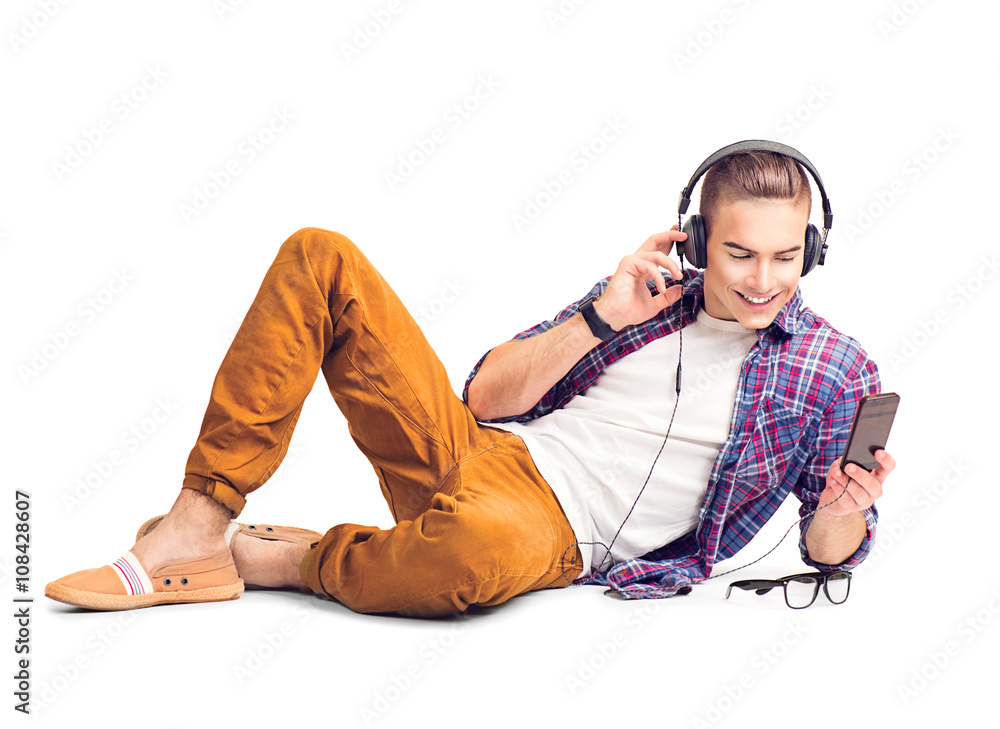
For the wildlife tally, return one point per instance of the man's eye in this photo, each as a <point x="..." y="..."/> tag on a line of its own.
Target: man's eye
<point x="739" y="258"/>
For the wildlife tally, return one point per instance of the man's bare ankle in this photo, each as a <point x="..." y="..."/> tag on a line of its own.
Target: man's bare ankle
<point x="195" y="526"/>
<point x="195" y="512"/>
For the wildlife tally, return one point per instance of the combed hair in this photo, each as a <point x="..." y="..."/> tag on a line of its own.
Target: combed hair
<point x="753" y="176"/>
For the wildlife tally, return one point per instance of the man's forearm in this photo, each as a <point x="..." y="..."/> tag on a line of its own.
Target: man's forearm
<point x="515" y="375"/>
<point x="833" y="539"/>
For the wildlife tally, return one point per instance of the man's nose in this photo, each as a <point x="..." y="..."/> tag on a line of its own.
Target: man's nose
<point x="762" y="277"/>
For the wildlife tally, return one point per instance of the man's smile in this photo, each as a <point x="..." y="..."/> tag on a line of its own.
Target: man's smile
<point x="756" y="299"/>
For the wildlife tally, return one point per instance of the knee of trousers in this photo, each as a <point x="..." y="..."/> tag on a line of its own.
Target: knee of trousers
<point x="325" y="256"/>
<point x="316" y="244"/>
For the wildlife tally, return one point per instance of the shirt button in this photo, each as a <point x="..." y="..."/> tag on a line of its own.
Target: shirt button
<point x="619" y="349"/>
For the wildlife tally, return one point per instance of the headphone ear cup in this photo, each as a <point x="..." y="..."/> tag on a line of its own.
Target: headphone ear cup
<point x="814" y="253"/>
<point x="695" y="249"/>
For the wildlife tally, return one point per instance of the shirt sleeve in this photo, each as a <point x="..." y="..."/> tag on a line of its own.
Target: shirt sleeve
<point x="557" y="392"/>
<point x="830" y="444"/>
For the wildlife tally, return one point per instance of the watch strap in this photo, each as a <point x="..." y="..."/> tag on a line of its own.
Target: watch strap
<point x="598" y="327"/>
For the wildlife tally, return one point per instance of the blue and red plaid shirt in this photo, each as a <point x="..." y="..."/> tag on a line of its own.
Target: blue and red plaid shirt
<point x="798" y="388"/>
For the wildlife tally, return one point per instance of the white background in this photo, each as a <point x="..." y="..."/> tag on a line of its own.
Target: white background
<point x="893" y="101"/>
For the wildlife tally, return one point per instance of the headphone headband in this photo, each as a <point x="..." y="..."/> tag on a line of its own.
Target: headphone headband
<point x="757" y="145"/>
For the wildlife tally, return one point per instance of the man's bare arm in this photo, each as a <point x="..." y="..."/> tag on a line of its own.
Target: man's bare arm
<point x="832" y="540"/>
<point x="515" y="375"/>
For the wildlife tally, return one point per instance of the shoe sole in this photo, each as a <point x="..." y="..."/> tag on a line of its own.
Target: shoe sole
<point x="101" y="601"/>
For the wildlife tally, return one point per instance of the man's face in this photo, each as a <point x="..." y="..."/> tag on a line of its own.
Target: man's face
<point x="755" y="255"/>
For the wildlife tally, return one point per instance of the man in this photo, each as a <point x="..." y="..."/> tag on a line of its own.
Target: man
<point x="487" y="511"/>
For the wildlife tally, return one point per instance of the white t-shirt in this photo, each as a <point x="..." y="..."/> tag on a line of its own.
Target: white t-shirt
<point x="597" y="450"/>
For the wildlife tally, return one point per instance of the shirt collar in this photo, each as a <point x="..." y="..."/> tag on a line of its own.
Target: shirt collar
<point x="787" y="321"/>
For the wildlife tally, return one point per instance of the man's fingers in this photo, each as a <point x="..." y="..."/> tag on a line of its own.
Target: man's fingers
<point x="853" y="501"/>
<point x="662" y="241"/>
<point x="868" y="486"/>
<point x="658" y="258"/>
<point x="848" y="497"/>
<point x="652" y="272"/>
<point x="668" y="297"/>
<point x="885" y="465"/>
<point x="838" y="477"/>
<point x="665" y="261"/>
<point x="853" y="489"/>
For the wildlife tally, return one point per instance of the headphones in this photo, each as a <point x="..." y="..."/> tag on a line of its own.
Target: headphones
<point x="695" y="247"/>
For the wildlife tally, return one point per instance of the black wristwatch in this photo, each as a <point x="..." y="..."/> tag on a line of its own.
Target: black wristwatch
<point x="598" y="327"/>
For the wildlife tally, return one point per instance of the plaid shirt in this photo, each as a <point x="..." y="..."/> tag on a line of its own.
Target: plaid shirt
<point x="798" y="388"/>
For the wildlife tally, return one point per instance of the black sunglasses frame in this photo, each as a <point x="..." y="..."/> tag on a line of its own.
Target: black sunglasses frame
<point x="762" y="587"/>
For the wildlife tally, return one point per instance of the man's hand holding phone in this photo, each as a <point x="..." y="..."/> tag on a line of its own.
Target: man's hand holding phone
<point x="865" y="464"/>
<point x="863" y="487"/>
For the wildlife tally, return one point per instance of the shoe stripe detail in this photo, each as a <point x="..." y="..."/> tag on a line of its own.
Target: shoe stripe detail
<point x="132" y="575"/>
<point x="128" y="577"/>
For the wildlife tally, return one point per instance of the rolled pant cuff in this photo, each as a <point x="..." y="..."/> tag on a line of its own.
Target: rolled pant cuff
<point x="331" y="548"/>
<point x="218" y="490"/>
<point x="309" y="571"/>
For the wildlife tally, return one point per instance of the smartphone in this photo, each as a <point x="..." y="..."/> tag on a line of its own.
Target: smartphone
<point x="870" y="429"/>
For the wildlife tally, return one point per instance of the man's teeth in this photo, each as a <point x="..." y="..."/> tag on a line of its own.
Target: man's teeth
<point x="755" y="300"/>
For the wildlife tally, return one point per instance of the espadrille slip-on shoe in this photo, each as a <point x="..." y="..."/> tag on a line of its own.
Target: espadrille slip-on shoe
<point x="125" y="585"/>
<point x="261" y="531"/>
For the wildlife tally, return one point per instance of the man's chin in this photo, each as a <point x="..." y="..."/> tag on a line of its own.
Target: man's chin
<point x="759" y="319"/>
<point x="757" y="322"/>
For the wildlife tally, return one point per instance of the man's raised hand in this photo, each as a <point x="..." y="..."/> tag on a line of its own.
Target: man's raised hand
<point x="626" y="300"/>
